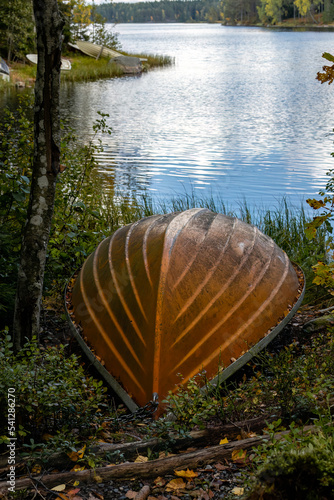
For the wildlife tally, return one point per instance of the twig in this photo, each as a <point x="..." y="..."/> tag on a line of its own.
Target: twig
<point x="326" y="310"/>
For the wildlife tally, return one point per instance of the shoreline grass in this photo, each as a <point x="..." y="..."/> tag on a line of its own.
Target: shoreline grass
<point x="84" y="69"/>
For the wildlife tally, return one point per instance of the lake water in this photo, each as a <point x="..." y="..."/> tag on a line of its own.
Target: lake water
<point x="239" y="115"/>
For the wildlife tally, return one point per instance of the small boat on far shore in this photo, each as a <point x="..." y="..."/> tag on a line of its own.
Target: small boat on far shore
<point x="65" y="63"/>
<point x="4" y="70"/>
<point x="94" y="50"/>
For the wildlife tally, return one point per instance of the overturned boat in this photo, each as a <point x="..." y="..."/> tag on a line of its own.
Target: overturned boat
<point x="177" y="294"/>
<point x="94" y="50"/>
<point x="4" y="70"/>
<point x="65" y="63"/>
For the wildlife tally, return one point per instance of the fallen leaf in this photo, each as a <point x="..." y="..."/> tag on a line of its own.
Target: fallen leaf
<point x="251" y="434"/>
<point x="60" y="487"/>
<point x="160" y="482"/>
<point x="141" y="458"/>
<point x="76" y="468"/>
<point x="131" y="494"/>
<point x="36" y="469"/>
<point x="238" y="491"/>
<point x="220" y="466"/>
<point x="186" y="473"/>
<point x="72" y="493"/>
<point x="238" y="454"/>
<point x="175" y="484"/>
<point x="223" y="441"/>
<point x="76" y="483"/>
<point x="75" y="455"/>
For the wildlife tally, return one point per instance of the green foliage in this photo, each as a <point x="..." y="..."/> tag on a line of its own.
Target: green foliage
<point x="16" y="152"/>
<point x="164" y="11"/>
<point x="226" y="11"/>
<point x="17" y="37"/>
<point x="52" y="392"/>
<point x="300" y="466"/>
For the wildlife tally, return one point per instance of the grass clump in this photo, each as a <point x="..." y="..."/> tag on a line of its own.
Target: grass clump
<point x="85" y="69"/>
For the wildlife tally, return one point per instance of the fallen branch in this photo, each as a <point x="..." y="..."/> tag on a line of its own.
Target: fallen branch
<point x="209" y="436"/>
<point x="153" y="468"/>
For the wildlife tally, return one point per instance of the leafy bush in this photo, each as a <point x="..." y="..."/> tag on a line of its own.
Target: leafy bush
<point x="52" y="392"/>
<point x="298" y="467"/>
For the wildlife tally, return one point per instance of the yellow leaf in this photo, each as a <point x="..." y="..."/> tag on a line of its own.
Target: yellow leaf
<point x="36" y="469"/>
<point x="77" y="467"/>
<point x="75" y="455"/>
<point x="60" y="487"/>
<point x="141" y="458"/>
<point x="175" y="484"/>
<point x="238" y="491"/>
<point x="223" y="441"/>
<point x="186" y="473"/>
<point x="82" y="451"/>
<point x="76" y="483"/>
<point x="239" y="454"/>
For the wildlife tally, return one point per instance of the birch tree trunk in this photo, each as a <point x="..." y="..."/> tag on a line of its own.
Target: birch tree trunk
<point x="45" y="169"/>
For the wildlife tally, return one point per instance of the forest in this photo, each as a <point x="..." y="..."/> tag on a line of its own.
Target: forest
<point x="226" y="11"/>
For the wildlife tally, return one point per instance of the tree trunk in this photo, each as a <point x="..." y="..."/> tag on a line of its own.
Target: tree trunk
<point x="45" y="169"/>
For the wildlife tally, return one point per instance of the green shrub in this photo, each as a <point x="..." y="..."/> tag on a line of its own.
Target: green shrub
<point x="300" y="467"/>
<point x="52" y="392"/>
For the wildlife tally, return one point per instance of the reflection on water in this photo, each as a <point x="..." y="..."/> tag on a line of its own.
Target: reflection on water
<point x="239" y="115"/>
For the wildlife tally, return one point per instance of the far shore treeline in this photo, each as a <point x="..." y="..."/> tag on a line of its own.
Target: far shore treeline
<point x="225" y="11"/>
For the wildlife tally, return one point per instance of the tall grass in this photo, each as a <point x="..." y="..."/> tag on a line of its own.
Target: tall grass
<point x="85" y="68"/>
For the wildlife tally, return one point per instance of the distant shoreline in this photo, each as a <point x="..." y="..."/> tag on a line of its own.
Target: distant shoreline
<point x="297" y="27"/>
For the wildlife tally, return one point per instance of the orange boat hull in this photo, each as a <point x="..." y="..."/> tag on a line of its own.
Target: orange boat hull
<point x="178" y="293"/>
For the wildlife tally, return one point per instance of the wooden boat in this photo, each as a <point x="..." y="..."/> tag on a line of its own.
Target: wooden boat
<point x="178" y="293"/>
<point x="65" y="63"/>
<point x="93" y="50"/>
<point x="4" y="70"/>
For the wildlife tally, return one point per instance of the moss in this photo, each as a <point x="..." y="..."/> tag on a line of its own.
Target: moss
<point x="305" y="473"/>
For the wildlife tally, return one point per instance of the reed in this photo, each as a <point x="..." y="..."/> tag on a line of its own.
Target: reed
<point x="85" y="69"/>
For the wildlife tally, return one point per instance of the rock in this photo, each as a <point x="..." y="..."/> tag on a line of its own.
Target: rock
<point x="319" y="323"/>
<point x="129" y="65"/>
